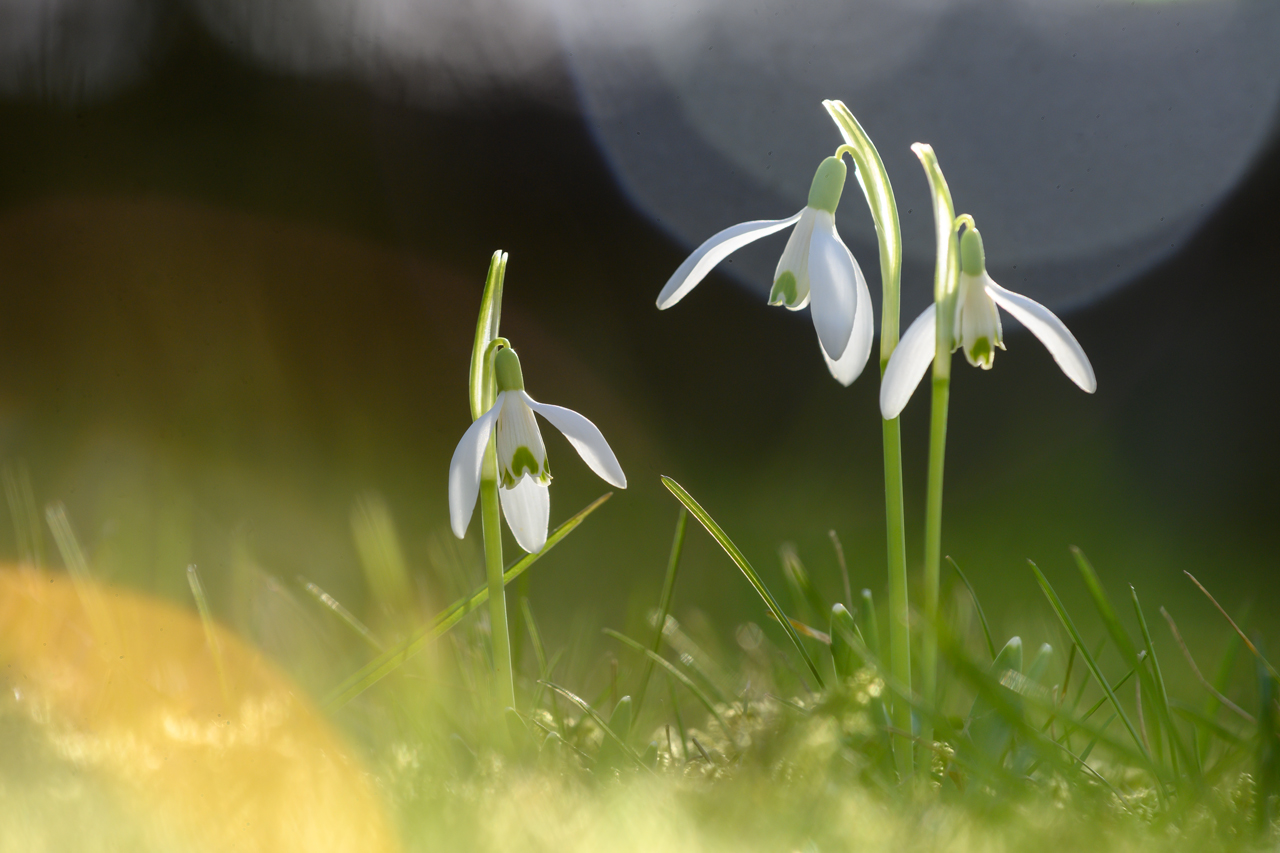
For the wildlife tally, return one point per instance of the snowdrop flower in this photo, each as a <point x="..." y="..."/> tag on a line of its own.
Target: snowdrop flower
<point x="816" y="270"/>
<point x="523" y="475"/>
<point x="977" y="331"/>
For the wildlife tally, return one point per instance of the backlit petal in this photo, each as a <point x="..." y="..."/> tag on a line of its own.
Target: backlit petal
<point x="705" y="257"/>
<point x="850" y="365"/>
<point x="527" y="507"/>
<point x="585" y="438"/>
<point x="833" y="286"/>
<point x="791" y="276"/>
<point x="1055" y="336"/>
<point x="911" y="358"/>
<point x="464" y="469"/>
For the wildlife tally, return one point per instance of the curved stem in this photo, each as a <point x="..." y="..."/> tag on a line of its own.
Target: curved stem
<point x="874" y="180"/>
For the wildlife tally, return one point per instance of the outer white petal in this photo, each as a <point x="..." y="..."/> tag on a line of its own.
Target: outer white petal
<point x="585" y="438"/>
<point x="1055" y="336"/>
<point x="464" y="469"/>
<point x="833" y="286"/>
<point x="705" y="257"/>
<point x="850" y="365"/>
<point x="911" y="358"/>
<point x="795" y="260"/>
<point x="527" y="507"/>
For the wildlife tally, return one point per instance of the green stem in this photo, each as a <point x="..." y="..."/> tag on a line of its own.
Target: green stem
<point x="933" y="534"/>
<point x="491" y="516"/>
<point x="664" y="606"/>
<point x="874" y="181"/>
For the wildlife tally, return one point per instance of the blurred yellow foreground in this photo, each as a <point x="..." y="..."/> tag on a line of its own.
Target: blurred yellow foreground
<point x="119" y="730"/>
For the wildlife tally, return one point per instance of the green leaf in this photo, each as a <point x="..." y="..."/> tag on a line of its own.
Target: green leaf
<point x="664" y="602"/>
<point x="989" y="729"/>
<point x="480" y="385"/>
<point x="1065" y="618"/>
<point x="982" y="617"/>
<point x="600" y="721"/>
<point x="390" y="660"/>
<point x="690" y="685"/>
<point x="736" y="555"/>
<point x="846" y="659"/>
<point x="610" y="756"/>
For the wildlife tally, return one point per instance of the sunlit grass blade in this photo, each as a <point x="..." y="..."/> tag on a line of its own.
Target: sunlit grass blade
<point x="991" y="731"/>
<point x="348" y="618"/>
<point x="793" y="568"/>
<point x="844" y="568"/>
<point x="210" y="631"/>
<point x="664" y="603"/>
<point x="1195" y="716"/>
<point x="386" y="663"/>
<point x="1094" y="669"/>
<point x="600" y="721"/>
<point x="610" y="756"/>
<point x="381" y="557"/>
<point x="27" y="529"/>
<point x="982" y="616"/>
<point x="1247" y="642"/>
<point x="844" y="657"/>
<point x="870" y="625"/>
<point x="73" y="558"/>
<point x="745" y="567"/>
<point x="1177" y="748"/>
<point x="689" y="684"/>
<point x="535" y="640"/>
<point x="697" y="660"/>
<point x="487" y="324"/>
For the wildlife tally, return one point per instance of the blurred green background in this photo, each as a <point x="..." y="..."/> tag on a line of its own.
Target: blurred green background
<point x="235" y="300"/>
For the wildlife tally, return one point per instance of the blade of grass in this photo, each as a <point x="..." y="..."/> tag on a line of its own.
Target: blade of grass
<point x="675" y="673"/>
<point x="793" y="568"/>
<point x="348" y="618"/>
<point x="386" y="663"/>
<point x="844" y="568"/>
<point x="982" y="617"/>
<point x="600" y="721"/>
<point x="1193" y="714"/>
<point x="1065" y="618"/>
<point x="210" y="633"/>
<point x="745" y="567"/>
<point x="675" y="712"/>
<point x="1247" y="642"/>
<point x="664" y="604"/>
<point x="1176" y="745"/>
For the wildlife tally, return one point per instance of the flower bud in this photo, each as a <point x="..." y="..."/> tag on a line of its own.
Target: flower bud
<point x="828" y="183"/>
<point x="506" y="370"/>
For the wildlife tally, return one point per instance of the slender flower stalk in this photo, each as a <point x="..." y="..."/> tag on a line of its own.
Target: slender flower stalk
<point x="946" y="276"/>
<point x="963" y="316"/>
<point x="874" y="181"/>
<point x="502" y="459"/>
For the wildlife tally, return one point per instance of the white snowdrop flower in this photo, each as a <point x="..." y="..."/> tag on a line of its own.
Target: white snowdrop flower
<point x="816" y="270"/>
<point x="977" y="331"/>
<point x="523" y="474"/>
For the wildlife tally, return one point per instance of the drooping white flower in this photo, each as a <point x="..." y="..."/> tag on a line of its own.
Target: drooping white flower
<point x="523" y="474"/>
<point x="977" y="331"/>
<point x="816" y="270"/>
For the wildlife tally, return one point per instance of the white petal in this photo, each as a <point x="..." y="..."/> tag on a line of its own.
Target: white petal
<point x="1055" y="336"/>
<point x="516" y="428"/>
<point x="527" y="507"/>
<point x="833" y="286"/>
<point x="464" y="469"/>
<point x="705" y="257"/>
<point x="585" y="438"/>
<point x="850" y="365"/>
<point x="911" y="358"/>
<point x="795" y="260"/>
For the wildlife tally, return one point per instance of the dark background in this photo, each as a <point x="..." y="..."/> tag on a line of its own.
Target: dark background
<point x="235" y="299"/>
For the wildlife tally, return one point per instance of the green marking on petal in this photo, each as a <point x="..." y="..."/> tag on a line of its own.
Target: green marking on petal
<point x="828" y="183"/>
<point x="522" y="460"/>
<point x="981" y="354"/>
<point x="784" y="290"/>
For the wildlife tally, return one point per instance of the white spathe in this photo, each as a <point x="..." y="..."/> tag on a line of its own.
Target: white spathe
<point x="827" y="280"/>
<point x="975" y="310"/>
<point x="526" y="502"/>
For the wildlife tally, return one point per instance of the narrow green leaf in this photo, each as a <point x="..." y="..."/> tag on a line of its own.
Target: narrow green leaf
<point x="1194" y="715"/>
<point x="989" y="729"/>
<point x="1176" y="745"/>
<point x="600" y="721"/>
<point x="806" y="593"/>
<point x="870" y="626"/>
<point x="947" y="269"/>
<point x="390" y="660"/>
<point x="664" y="603"/>
<point x="486" y="330"/>
<point x="1065" y="618"/>
<point x="982" y="617"/>
<point x="675" y="673"/>
<point x="610" y="756"/>
<point x="845" y="659"/>
<point x="348" y="618"/>
<point x="754" y="579"/>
